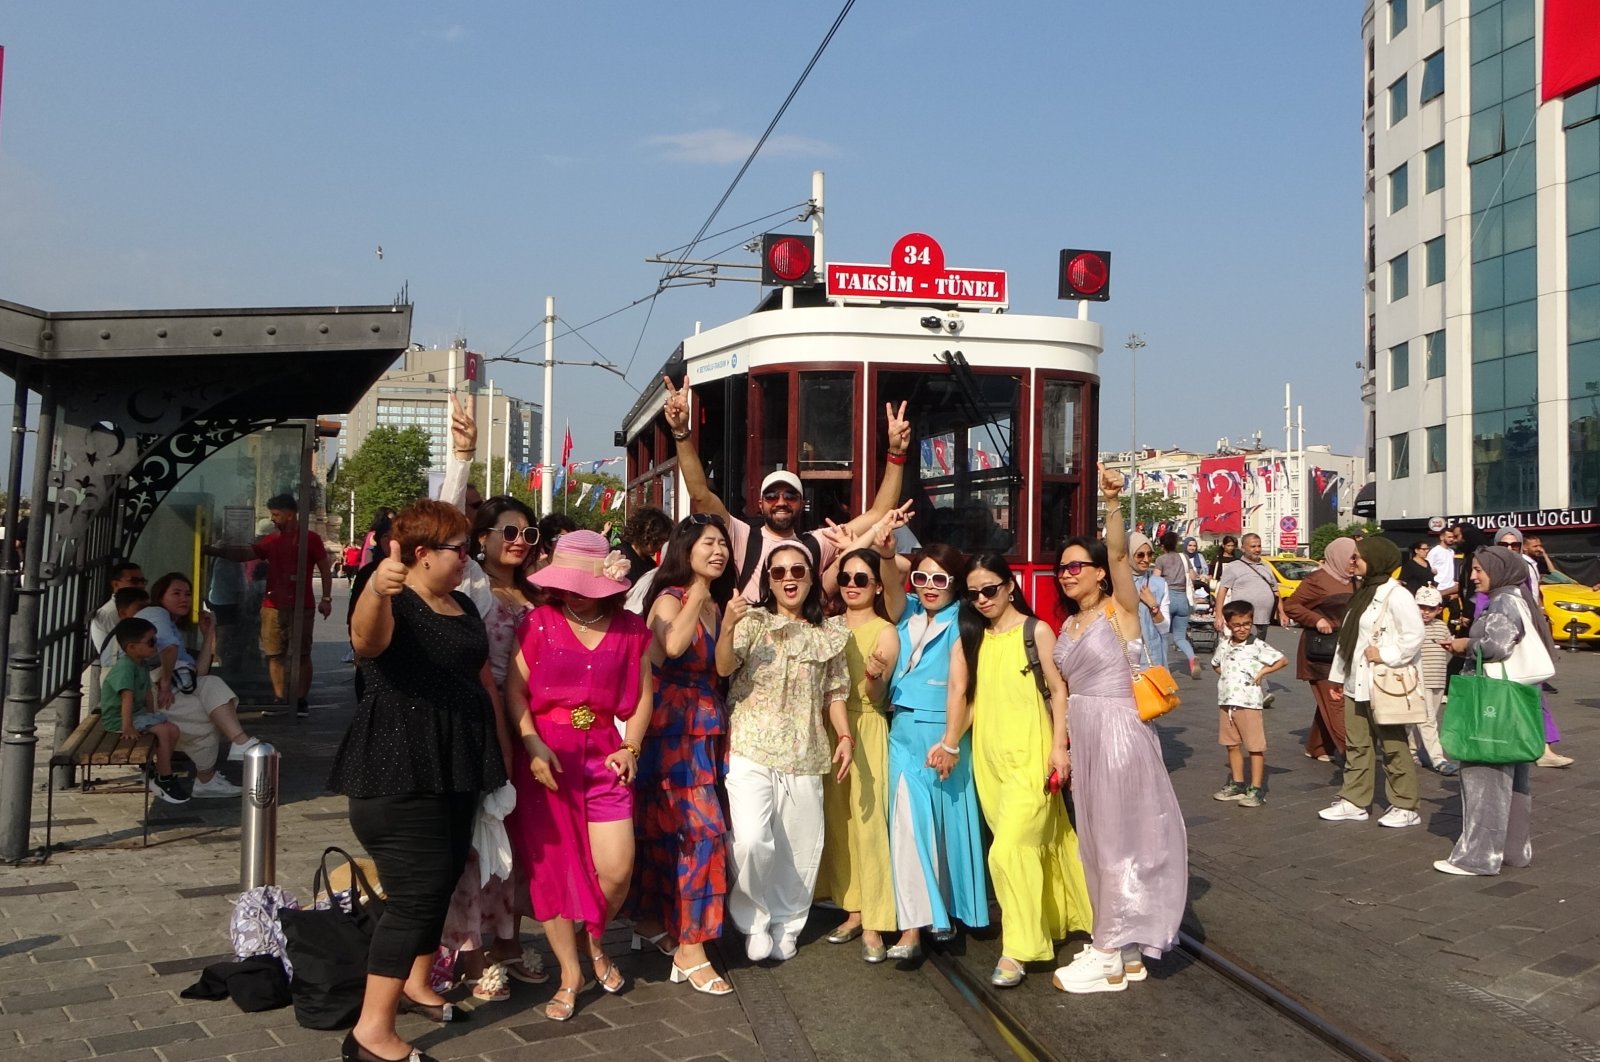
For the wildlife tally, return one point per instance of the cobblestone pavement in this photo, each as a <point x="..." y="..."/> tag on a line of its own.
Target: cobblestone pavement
<point x="96" y="944"/>
<point x="1529" y="937"/>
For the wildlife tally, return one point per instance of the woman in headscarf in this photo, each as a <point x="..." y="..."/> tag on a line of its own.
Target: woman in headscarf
<point x="1318" y="606"/>
<point x="1154" y="619"/>
<point x="1382" y="624"/>
<point x="1497" y="799"/>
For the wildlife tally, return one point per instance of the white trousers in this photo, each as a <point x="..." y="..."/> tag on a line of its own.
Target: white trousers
<point x="777" y="829"/>
<point x="1427" y="733"/>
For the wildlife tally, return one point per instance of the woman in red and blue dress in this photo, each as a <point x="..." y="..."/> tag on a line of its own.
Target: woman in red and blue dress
<point x="681" y="869"/>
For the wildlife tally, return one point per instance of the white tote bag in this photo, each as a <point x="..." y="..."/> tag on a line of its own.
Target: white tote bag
<point x="1529" y="662"/>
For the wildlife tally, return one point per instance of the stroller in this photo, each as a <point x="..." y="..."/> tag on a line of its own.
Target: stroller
<point x="1202" y="621"/>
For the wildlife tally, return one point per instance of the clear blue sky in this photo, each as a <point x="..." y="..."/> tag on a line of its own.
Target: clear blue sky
<point x="200" y="154"/>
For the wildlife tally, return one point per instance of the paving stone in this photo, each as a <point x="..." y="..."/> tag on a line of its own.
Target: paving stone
<point x="469" y="1045"/>
<point x="629" y="1038"/>
<point x="707" y="1043"/>
<point x="161" y="1034"/>
<point x="547" y="1051"/>
<point x="63" y="1051"/>
<point x="54" y="999"/>
<point x="82" y="951"/>
<point x="582" y="1023"/>
<point x="1567" y="964"/>
<point x="217" y="1046"/>
<point x="76" y="1030"/>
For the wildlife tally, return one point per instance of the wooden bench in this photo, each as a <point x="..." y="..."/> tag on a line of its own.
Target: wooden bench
<point x="91" y="746"/>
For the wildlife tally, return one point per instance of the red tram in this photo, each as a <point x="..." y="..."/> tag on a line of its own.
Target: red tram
<point x="1003" y="409"/>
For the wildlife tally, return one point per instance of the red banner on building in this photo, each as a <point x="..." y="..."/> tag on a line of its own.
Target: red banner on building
<point x="1219" y="495"/>
<point x="1571" y="46"/>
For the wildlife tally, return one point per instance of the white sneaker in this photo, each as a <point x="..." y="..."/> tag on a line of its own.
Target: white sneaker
<point x="237" y="750"/>
<point x="217" y="787"/>
<point x="785" y="948"/>
<point x="1400" y="817"/>
<point x="1092" y="971"/>
<point x="758" y="946"/>
<point x="1444" y="866"/>
<point x="1341" y="810"/>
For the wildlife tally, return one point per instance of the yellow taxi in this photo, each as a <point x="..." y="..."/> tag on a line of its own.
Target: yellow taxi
<point x="1573" y="608"/>
<point x="1290" y="570"/>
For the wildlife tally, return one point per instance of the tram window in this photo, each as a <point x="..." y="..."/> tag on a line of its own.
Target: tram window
<point x="961" y="471"/>
<point x="827" y="432"/>
<point x="773" y="449"/>
<point x="1055" y="516"/>
<point x="1060" y="434"/>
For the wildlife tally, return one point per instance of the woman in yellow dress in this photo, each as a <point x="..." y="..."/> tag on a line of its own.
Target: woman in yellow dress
<point x="856" y="870"/>
<point x="1020" y="763"/>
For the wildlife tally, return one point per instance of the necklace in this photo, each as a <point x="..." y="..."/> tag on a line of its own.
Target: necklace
<point x="583" y="624"/>
<point x="1078" y="620"/>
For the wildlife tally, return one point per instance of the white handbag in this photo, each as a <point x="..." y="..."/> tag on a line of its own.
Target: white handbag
<point x="1397" y="696"/>
<point x="1529" y="662"/>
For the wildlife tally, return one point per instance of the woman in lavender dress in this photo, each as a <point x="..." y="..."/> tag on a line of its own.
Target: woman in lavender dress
<point x="1130" y="829"/>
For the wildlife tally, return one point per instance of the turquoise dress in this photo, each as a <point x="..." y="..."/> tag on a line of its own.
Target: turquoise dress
<point x="935" y="839"/>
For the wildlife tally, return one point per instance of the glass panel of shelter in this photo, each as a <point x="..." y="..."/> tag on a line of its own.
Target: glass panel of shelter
<point x="223" y="501"/>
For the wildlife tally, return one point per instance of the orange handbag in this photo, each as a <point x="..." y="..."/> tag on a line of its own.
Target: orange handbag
<point x="1155" y="691"/>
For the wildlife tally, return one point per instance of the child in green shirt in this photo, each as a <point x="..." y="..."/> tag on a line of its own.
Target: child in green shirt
<point x="127" y="705"/>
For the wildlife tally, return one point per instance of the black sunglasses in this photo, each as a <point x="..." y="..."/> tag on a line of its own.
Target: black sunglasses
<point x="458" y="548"/>
<point x="856" y="579"/>
<point x="795" y="572"/>
<point x="511" y="532"/>
<point x="986" y="592"/>
<point x="702" y="519"/>
<point x="776" y="495"/>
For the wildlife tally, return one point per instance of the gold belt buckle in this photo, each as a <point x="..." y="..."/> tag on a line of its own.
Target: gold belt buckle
<point x="582" y="718"/>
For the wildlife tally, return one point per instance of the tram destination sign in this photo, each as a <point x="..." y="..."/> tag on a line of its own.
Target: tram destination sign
<point x="916" y="273"/>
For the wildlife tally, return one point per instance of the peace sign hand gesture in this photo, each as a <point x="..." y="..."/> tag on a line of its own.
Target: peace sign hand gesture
<point x="676" y="408"/>
<point x="463" y="429"/>
<point x="899" y="428"/>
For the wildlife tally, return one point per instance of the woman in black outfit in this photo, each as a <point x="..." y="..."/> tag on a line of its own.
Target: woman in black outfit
<point x="424" y="744"/>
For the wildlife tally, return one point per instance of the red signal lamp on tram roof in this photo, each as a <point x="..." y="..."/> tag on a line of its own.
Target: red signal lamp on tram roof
<point x="788" y="260"/>
<point x="1085" y="276"/>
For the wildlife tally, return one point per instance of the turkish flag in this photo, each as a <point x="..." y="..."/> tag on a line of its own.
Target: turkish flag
<point x="1219" y="495"/>
<point x="1571" y="47"/>
<point x="474" y="366"/>
<point x="566" y="446"/>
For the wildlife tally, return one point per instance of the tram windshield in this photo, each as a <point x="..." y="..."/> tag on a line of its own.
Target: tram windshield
<point x="962" y="471"/>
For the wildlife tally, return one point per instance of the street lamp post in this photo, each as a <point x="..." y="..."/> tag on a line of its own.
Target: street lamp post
<point x="1134" y="344"/>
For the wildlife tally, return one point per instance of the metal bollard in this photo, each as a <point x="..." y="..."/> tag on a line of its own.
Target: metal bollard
<point x="258" y="821"/>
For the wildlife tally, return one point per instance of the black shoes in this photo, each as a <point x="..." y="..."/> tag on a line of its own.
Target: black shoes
<point x="352" y="1051"/>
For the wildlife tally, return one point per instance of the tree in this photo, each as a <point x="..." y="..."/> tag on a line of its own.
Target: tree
<point x="588" y="514"/>
<point x="390" y="469"/>
<point x="1154" y="508"/>
<point x="1322" y="535"/>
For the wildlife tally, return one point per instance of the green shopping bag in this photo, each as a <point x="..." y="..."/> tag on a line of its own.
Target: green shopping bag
<point x="1492" y="720"/>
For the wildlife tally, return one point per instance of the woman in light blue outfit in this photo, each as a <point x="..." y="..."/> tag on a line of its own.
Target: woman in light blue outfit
<point x="1154" y="620"/>
<point x="934" y="833"/>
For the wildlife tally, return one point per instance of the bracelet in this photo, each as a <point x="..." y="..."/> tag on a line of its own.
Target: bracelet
<point x="680" y="436"/>
<point x="847" y="737"/>
<point x="894" y="458"/>
<point x="948" y="751"/>
<point x="631" y="747"/>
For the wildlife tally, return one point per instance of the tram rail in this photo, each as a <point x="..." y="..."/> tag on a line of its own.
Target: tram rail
<point x="1006" y="1033"/>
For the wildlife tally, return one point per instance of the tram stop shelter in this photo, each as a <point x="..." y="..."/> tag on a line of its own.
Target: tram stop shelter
<point x="157" y="431"/>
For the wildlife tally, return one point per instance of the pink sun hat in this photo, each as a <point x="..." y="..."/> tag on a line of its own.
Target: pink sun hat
<point x="584" y="563"/>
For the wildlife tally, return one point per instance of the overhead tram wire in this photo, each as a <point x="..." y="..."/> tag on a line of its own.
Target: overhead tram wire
<point x="756" y="150"/>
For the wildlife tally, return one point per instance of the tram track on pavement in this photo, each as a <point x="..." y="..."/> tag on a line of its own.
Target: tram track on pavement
<point x="1010" y="1033"/>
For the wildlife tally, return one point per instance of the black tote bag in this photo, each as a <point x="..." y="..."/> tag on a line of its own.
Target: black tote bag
<point x="328" y="950"/>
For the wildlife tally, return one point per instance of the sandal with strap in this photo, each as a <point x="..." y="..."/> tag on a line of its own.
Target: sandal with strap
<point x="561" y="1010"/>
<point x="494" y="986"/>
<point x="529" y="969"/>
<point x="611" y="980"/>
<point x="679" y="975"/>
<point x="669" y="947"/>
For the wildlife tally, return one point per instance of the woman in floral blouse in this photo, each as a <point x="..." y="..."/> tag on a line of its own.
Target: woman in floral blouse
<point x="786" y="665"/>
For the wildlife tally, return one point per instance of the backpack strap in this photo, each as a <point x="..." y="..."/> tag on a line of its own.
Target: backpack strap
<point x="1030" y="645"/>
<point x="752" y="554"/>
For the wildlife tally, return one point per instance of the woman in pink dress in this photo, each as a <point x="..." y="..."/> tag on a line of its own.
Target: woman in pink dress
<point x="574" y="827"/>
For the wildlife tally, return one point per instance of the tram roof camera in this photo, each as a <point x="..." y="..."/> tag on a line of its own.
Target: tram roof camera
<point x="932" y="323"/>
<point x="954" y="325"/>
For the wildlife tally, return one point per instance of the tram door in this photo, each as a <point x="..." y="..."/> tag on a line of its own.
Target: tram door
<point x="722" y="409"/>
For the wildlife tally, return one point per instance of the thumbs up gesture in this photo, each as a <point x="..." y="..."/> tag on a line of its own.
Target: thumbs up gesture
<point x="390" y="576"/>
